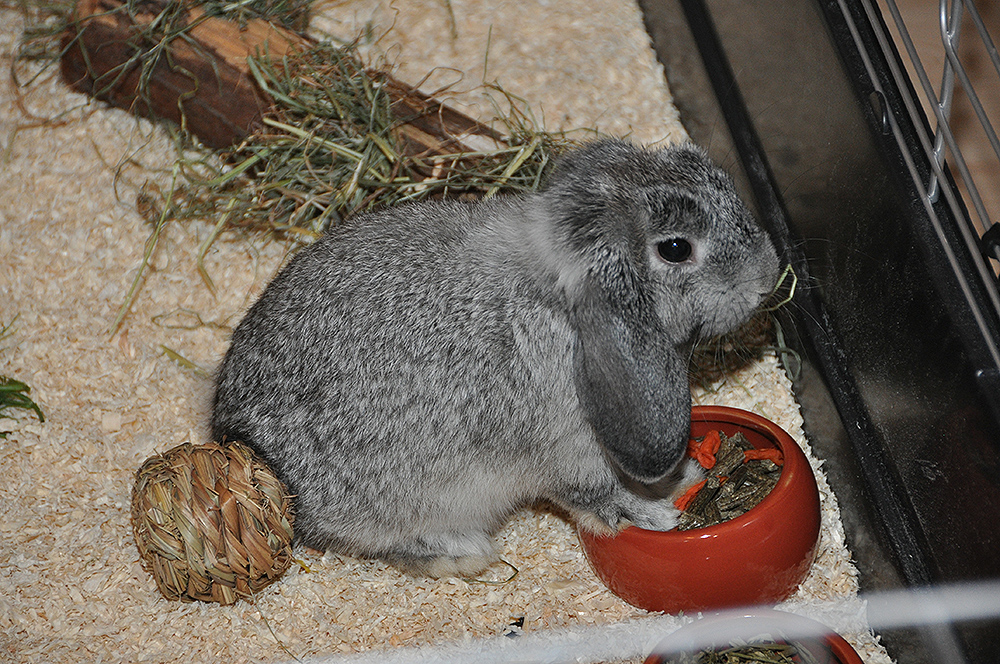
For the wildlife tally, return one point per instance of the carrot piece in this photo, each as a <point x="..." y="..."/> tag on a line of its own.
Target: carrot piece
<point x="684" y="501"/>
<point x="704" y="451"/>
<point x="770" y="454"/>
<point x="712" y="442"/>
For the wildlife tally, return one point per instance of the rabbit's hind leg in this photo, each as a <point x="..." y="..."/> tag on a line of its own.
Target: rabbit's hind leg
<point x="445" y="554"/>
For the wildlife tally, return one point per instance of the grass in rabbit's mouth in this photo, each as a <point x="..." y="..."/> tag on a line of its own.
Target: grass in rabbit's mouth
<point x="714" y="359"/>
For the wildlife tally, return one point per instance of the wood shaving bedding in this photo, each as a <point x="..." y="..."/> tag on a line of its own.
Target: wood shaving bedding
<point x="71" y="240"/>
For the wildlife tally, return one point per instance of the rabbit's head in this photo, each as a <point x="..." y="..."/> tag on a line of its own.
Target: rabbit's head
<point x="663" y="252"/>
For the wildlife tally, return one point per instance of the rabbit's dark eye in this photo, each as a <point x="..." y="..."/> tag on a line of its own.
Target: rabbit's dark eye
<point x="674" y="250"/>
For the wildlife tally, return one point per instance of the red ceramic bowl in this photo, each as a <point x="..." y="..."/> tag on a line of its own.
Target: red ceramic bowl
<point x="757" y="558"/>
<point x="714" y="631"/>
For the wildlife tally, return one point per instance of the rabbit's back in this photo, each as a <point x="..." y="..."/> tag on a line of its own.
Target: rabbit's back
<point x="391" y="372"/>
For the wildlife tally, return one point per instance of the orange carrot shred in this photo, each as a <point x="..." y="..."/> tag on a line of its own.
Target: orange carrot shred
<point x="704" y="451"/>
<point x="769" y="454"/>
<point x="684" y="501"/>
<point x="712" y="442"/>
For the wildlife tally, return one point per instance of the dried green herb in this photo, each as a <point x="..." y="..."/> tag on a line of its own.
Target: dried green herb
<point x="337" y="143"/>
<point x="719" y="357"/>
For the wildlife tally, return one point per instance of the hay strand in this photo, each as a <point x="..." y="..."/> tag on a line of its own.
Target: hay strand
<point x="344" y="138"/>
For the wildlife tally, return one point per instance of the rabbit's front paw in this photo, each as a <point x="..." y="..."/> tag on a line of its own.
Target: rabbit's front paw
<point x="654" y="515"/>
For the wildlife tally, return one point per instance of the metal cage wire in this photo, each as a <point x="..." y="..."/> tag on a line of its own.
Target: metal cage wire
<point x="955" y="74"/>
<point x="940" y="144"/>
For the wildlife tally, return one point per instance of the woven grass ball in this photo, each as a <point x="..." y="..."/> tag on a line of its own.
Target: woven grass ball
<point x="212" y="522"/>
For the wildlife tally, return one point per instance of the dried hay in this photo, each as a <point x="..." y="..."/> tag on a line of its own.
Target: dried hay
<point x="339" y="135"/>
<point x="337" y="144"/>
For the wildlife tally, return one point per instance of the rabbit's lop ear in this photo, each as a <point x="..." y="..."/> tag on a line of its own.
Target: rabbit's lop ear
<point x="631" y="380"/>
<point x="632" y="385"/>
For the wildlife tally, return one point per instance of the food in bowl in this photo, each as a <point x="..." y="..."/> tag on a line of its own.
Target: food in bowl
<point x="754" y="636"/>
<point x="740" y="476"/>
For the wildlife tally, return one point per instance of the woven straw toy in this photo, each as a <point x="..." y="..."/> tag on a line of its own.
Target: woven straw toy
<point x="212" y="522"/>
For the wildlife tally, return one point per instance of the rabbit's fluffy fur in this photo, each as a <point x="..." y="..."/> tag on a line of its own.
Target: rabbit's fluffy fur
<point x="422" y="372"/>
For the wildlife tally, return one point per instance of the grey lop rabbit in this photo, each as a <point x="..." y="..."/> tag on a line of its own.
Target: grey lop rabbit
<point x="418" y="375"/>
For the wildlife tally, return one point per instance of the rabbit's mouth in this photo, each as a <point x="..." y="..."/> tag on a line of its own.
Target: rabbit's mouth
<point x="724" y="321"/>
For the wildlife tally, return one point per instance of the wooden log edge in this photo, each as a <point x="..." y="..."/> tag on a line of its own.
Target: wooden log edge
<point x="203" y="82"/>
